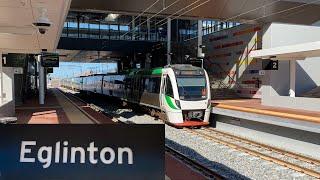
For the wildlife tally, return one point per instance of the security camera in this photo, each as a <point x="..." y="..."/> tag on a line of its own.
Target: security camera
<point x="42" y="22"/>
<point x="42" y="27"/>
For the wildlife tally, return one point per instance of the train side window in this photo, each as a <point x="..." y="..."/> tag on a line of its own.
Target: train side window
<point x="157" y="84"/>
<point x="146" y="84"/>
<point x="169" y="90"/>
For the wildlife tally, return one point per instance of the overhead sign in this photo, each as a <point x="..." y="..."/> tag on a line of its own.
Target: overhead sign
<point x="50" y="70"/>
<point x="196" y="62"/>
<point x="66" y="152"/>
<point x="49" y="59"/>
<point x="14" y="60"/>
<point x="270" y="64"/>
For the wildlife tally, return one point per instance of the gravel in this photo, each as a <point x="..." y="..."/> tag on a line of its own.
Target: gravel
<point x="227" y="161"/>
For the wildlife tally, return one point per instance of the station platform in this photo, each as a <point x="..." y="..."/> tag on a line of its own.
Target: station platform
<point x="251" y="109"/>
<point x="58" y="109"/>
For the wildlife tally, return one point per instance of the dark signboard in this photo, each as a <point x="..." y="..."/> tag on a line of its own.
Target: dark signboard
<point x="14" y="60"/>
<point x="50" y="70"/>
<point x="268" y="64"/>
<point x="195" y="62"/>
<point x="82" y="152"/>
<point x="49" y="59"/>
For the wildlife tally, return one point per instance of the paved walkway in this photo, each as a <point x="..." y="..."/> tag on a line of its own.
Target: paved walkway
<point x="56" y="110"/>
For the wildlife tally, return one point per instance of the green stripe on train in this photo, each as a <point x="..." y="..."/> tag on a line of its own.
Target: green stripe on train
<point x="156" y="71"/>
<point x="170" y="103"/>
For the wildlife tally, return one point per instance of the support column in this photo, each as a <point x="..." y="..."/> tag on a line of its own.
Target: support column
<point x="148" y="27"/>
<point x="41" y="81"/>
<point x="1" y="81"/>
<point x="292" y="91"/>
<point x="169" y="41"/>
<point x="133" y="26"/>
<point x="199" y="49"/>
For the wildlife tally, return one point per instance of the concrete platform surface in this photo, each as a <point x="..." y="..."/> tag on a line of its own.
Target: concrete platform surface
<point x="251" y="109"/>
<point x="58" y="109"/>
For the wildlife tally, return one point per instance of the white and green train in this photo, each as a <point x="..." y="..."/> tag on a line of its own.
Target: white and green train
<point x="180" y="94"/>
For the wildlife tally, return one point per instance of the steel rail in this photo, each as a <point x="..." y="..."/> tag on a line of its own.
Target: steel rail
<point x="268" y="147"/>
<point x="209" y="173"/>
<point x="289" y="165"/>
<point x="78" y="107"/>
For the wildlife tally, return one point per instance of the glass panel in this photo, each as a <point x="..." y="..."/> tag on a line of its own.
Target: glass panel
<point x="192" y="88"/>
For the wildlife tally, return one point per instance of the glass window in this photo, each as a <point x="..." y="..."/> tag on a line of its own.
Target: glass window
<point x="124" y="28"/>
<point x="156" y="84"/>
<point x="104" y="27"/>
<point x="114" y="27"/>
<point x="192" y="88"/>
<point x="84" y="25"/>
<point x="94" y="26"/>
<point x="72" y="24"/>
<point x="169" y="90"/>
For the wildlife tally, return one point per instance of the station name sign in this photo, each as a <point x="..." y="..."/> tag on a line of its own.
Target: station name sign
<point x="49" y="59"/>
<point x="82" y="151"/>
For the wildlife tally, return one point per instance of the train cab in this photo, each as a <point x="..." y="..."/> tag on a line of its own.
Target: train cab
<point x="185" y="95"/>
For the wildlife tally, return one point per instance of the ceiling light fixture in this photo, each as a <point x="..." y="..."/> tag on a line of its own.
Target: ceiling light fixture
<point x="112" y="17"/>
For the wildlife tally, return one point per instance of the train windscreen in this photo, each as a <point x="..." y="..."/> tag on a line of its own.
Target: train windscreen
<point x="192" y="88"/>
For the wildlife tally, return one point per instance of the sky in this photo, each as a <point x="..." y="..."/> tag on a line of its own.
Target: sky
<point x="72" y="69"/>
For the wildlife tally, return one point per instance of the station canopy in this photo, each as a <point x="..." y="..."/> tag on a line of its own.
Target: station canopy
<point x="87" y="56"/>
<point x="290" y="52"/>
<point x="243" y="11"/>
<point x="17" y="32"/>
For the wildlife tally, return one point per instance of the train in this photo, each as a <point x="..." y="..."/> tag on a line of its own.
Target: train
<point x="179" y="94"/>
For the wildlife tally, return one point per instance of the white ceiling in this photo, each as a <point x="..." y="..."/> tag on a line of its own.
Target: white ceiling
<point x="17" y="33"/>
<point x="291" y="52"/>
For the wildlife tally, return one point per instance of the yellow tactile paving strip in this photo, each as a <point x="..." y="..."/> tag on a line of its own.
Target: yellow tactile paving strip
<point x="254" y="106"/>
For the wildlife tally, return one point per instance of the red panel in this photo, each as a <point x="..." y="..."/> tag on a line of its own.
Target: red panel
<point x="191" y="124"/>
<point x="247" y="31"/>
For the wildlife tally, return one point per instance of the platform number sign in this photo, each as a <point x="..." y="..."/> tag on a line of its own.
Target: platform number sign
<point x="275" y="65"/>
<point x="270" y="64"/>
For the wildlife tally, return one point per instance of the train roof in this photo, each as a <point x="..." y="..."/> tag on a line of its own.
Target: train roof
<point x="158" y="70"/>
<point x="184" y="67"/>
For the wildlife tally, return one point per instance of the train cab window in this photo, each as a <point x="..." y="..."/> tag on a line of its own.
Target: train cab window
<point x="169" y="90"/>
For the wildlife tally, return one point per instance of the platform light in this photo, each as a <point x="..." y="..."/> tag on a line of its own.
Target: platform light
<point x="112" y="17"/>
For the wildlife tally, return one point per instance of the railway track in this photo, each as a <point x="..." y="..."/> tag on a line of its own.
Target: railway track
<point x="206" y="172"/>
<point x="296" y="162"/>
<point x="91" y="105"/>
<point x="278" y="156"/>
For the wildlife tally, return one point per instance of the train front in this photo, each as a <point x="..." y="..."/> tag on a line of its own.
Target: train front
<point x="193" y="97"/>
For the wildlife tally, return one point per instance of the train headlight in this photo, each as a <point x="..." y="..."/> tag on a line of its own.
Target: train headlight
<point x="178" y="103"/>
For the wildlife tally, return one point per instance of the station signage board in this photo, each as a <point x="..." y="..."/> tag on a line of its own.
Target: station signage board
<point x="82" y="151"/>
<point x="268" y="64"/>
<point x="14" y="60"/>
<point x="49" y="70"/>
<point x="49" y="59"/>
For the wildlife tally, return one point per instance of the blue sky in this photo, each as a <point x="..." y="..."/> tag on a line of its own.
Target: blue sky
<point x="71" y="69"/>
